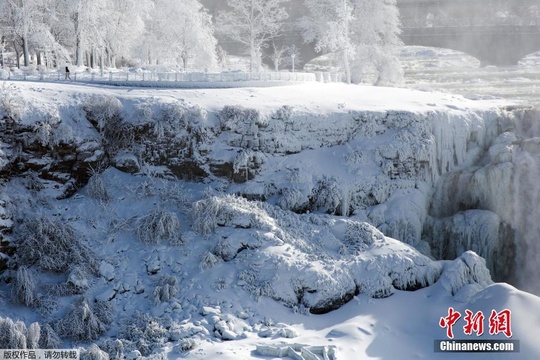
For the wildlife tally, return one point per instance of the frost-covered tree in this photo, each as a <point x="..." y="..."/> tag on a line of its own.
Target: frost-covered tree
<point x="86" y="16"/>
<point x="180" y="32"/>
<point x="360" y="30"/>
<point x="48" y="338"/>
<point x="253" y="23"/>
<point x="80" y="323"/>
<point x="23" y="289"/>
<point x="19" y="18"/>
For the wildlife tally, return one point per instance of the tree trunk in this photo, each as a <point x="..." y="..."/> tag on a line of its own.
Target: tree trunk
<point x="26" y="52"/>
<point x="347" y="66"/>
<point x="78" y="51"/>
<point x="17" y="54"/>
<point x="101" y="60"/>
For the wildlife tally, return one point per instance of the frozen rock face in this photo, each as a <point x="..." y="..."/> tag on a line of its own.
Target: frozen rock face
<point x="306" y="261"/>
<point x="504" y="187"/>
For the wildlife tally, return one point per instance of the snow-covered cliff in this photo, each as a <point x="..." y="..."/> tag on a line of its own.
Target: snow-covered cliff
<point x="174" y="200"/>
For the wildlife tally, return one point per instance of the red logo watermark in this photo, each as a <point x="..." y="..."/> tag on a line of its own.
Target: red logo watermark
<point x="499" y="322"/>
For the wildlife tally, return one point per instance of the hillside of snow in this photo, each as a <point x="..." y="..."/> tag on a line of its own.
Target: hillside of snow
<point x="229" y="223"/>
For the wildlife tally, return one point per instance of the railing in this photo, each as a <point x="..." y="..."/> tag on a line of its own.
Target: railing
<point x="170" y="77"/>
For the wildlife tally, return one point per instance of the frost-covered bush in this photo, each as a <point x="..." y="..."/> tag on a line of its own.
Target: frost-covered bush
<point x="23" y="289"/>
<point x="197" y="125"/>
<point x="145" y="332"/>
<point x="228" y="210"/>
<point x="104" y="311"/>
<point x="48" y="338"/>
<point x="33" y="335"/>
<point x="234" y="117"/>
<point x="11" y="103"/>
<point x="118" y="134"/>
<point x="81" y="323"/>
<point x="43" y="132"/>
<point x="283" y="113"/>
<point x="15" y="335"/>
<point x="51" y="245"/>
<point x="359" y="236"/>
<point x="158" y="226"/>
<point x="293" y="199"/>
<point x="94" y="353"/>
<point x="115" y="348"/>
<point x="173" y="192"/>
<point x="101" y="109"/>
<point x="49" y="131"/>
<point x="166" y="290"/>
<point x="78" y="279"/>
<point x="242" y="161"/>
<point x="96" y="186"/>
<point x="78" y="282"/>
<point x="327" y="195"/>
<point x="163" y="119"/>
<point x="186" y="344"/>
<point x="6" y="333"/>
<point x="208" y="261"/>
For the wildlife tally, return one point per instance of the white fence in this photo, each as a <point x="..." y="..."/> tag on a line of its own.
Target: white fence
<point x="170" y="77"/>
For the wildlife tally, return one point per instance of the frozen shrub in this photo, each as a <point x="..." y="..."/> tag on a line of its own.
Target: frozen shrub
<point x="63" y="134"/>
<point x="115" y="349"/>
<point x="327" y="195"/>
<point x="228" y="210"/>
<point x="96" y="187"/>
<point x="80" y="323"/>
<point x="33" y="336"/>
<point x="48" y="338"/>
<point x="166" y="290"/>
<point x="104" y="311"/>
<point x="23" y="289"/>
<point x="186" y="344"/>
<point x="145" y="112"/>
<point x="43" y="131"/>
<point x="11" y="103"/>
<point x="243" y="161"/>
<point x="359" y="236"/>
<point x="118" y="135"/>
<point x="175" y="193"/>
<point x="18" y="339"/>
<point x="232" y="117"/>
<point x="173" y="113"/>
<point x="224" y="249"/>
<point x="205" y="214"/>
<point x="293" y="199"/>
<point x="158" y="226"/>
<point x="208" y="261"/>
<point x="196" y="123"/>
<point x="144" y="331"/>
<point x="52" y="246"/>
<point x="283" y="113"/>
<point x="94" y="353"/>
<point x="101" y="109"/>
<point x="78" y="280"/>
<point x="6" y="332"/>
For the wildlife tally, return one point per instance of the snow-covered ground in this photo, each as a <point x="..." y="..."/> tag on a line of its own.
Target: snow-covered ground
<point x="189" y="269"/>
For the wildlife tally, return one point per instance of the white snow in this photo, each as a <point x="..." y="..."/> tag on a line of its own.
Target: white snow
<point x="225" y="266"/>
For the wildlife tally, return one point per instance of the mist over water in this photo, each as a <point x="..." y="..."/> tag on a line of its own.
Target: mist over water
<point x="527" y="218"/>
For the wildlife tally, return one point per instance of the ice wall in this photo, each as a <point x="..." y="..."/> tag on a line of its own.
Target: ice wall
<point x="504" y="187"/>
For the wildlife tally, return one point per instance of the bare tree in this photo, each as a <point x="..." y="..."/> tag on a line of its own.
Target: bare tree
<point x="278" y="52"/>
<point x="253" y="23"/>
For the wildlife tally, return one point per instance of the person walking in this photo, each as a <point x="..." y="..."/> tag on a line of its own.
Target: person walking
<point x="67" y="74"/>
